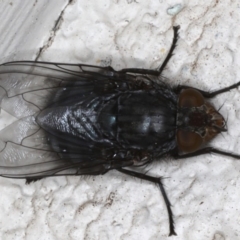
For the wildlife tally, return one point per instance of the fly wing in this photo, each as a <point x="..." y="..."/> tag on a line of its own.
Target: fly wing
<point x="26" y="88"/>
<point x="31" y="82"/>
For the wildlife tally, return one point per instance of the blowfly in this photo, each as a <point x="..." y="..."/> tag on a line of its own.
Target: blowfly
<point x="77" y="119"/>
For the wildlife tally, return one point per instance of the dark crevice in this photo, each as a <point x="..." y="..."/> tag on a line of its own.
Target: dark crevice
<point x="55" y="28"/>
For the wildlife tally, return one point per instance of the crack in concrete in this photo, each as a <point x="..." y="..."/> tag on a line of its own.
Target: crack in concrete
<point x="53" y="32"/>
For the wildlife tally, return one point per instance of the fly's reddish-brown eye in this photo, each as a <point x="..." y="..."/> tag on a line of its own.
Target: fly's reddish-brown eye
<point x="188" y="141"/>
<point x="190" y="98"/>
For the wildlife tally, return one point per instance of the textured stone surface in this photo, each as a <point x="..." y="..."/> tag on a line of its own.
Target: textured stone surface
<point x="204" y="191"/>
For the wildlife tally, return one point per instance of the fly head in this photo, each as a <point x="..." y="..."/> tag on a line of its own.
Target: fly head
<point x="197" y="121"/>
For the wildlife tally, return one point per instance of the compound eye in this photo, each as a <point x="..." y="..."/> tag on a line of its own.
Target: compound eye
<point x="190" y="98"/>
<point x="188" y="141"/>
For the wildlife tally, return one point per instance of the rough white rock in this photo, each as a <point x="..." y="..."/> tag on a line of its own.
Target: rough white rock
<point x="204" y="191"/>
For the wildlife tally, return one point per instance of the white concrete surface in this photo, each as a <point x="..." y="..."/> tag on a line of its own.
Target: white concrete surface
<point x="204" y="191"/>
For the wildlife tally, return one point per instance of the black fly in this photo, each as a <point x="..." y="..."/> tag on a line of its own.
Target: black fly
<point x="76" y="119"/>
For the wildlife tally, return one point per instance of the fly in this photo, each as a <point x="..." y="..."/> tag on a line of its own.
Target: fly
<point x="77" y="119"/>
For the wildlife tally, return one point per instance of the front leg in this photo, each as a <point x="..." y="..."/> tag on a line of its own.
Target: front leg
<point x="206" y="94"/>
<point x="205" y="150"/>
<point x="157" y="180"/>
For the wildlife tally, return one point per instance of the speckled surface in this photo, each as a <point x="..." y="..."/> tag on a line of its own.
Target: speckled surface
<point x="204" y="191"/>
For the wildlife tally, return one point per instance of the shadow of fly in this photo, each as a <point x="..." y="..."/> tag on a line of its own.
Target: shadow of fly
<point x="77" y="119"/>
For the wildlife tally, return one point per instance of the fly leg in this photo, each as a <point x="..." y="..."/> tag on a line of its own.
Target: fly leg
<point x="32" y="179"/>
<point x="170" y="53"/>
<point x="157" y="180"/>
<point x="206" y="150"/>
<point x="159" y="71"/>
<point x="208" y="94"/>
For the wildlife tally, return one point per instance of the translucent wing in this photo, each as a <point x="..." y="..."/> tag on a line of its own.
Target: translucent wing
<point x="26" y="89"/>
